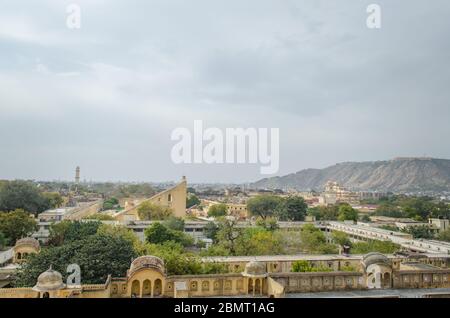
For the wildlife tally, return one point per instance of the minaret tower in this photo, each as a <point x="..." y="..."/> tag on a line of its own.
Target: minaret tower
<point x="77" y="175"/>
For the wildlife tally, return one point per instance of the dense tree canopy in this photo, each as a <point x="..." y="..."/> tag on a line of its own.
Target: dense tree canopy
<point x="346" y="212"/>
<point x="98" y="256"/>
<point x="150" y="211"/>
<point x="217" y="210"/>
<point x="192" y="200"/>
<point x="69" y="231"/>
<point x="23" y="195"/>
<point x="157" y="233"/>
<point x="263" y="205"/>
<point x="292" y="208"/>
<point x="16" y="224"/>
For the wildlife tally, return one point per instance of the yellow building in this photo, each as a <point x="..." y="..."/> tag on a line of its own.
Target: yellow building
<point x="174" y="198"/>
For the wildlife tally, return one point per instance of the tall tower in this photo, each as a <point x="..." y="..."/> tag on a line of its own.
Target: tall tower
<point x="77" y="175"/>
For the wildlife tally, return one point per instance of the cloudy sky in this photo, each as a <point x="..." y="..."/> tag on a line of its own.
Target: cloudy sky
<point x="107" y="96"/>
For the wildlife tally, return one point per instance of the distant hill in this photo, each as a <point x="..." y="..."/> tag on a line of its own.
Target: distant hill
<point x="397" y="175"/>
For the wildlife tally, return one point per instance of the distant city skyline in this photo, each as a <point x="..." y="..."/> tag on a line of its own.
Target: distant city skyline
<point x="106" y="97"/>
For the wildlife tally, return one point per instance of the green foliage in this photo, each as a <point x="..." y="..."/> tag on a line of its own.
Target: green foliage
<point x="390" y="228"/>
<point x="110" y="204"/>
<point x="150" y="211"/>
<point x="270" y="223"/>
<point x="384" y="247"/>
<point x="341" y="238"/>
<point x="306" y="266"/>
<point x="329" y="213"/>
<point x="314" y="241"/>
<point x="174" y="223"/>
<point x="365" y="218"/>
<point x="444" y="235"/>
<point x="16" y="225"/>
<point x="2" y="241"/>
<point x="192" y="200"/>
<point x="346" y="212"/>
<point x="390" y="210"/>
<point x="54" y="198"/>
<point x="228" y="235"/>
<point x="258" y="241"/>
<point x="263" y="206"/>
<point x="123" y="233"/>
<point x="292" y="208"/>
<point x="157" y="233"/>
<point x="179" y="262"/>
<point x="97" y="255"/>
<point x="70" y="231"/>
<point x="22" y="195"/>
<point x="211" y="230"/>
<point x="217" y="210"/>
<point x="422" y="231"/>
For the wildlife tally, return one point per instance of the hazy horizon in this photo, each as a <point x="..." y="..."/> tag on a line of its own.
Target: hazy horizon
<point x="106" y="97"/>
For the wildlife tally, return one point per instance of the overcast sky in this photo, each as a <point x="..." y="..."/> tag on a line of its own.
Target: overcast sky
<point x="107" y="96"/>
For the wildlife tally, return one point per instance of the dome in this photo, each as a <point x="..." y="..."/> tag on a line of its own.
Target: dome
<point x="255" y="269"/>
<point x="29" y="241"/>
<point x="375" y="258"/>
<point x="49" y="280"/>
<point x="147" y="261"/>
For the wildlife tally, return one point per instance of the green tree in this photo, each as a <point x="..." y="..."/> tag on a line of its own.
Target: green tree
<point x="16" y="225"/>
<point x="313" y="241"/>
<point x="228" y="235"/>
<point x="100" y="217"/>
<point x="192" y="200"/>
<point x="329" y="213"/>
<point x="385" y="247"/>
<point x="258" y="241"/>
<point x="174" y="223"/>
<point x="270" y="223"/>
<point x="70" y="231"/>
<point x="157" y="233"/>
<point x="110" y="204"/>
<point x="292" y="208"/>
<point x="422" y="231"/>
<point x="2" y="241"/>
<point x="211" y="230"/>
<point x="444" y="235"/>
<point x="341" y="238"/>
<point x="306" y="266"/>
<point x="22" y="195"/>
<point x="263" y="205"/>
<point x="346" y="212"/>
<point x="124" y="233"/>
<point x="111" y="254"/>
<point x="390" y="210"/>
<point x="55" y="199"/>
<point x="150" y="211"/>
<point x="217" y="210"/>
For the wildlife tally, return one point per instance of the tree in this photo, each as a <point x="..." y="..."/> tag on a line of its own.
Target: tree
<point x="270" y="224"/>
<point x="69" y="231"/>
<point x="217" y="210"/>
<point x="384" y="247"/>
<point x="157" y="233"/>
<point x="306" y="266"/>
<point x="54" y="198"/>
<point x="422" y="231"/>
<point x="98" y="256"/>
<point x="341" y="238"/>
<point x="211" y="230"/>
<point x="258" y="241"/>
<point x="228" y="234"/>
<point x="292" y="208"/>
<point x="192" y="200"/>
<point x="263" y="205"/>
<point x="174" y="223"/>
<point x="346" y="212"/>
<point x="390" y="210"/>
<point x="110" y="204"/>
<point x="444" y="235"/>
<point x="150" y="211"/>
<point x="22" y="195"/>
<point x="2" y="241"/>
<point x="313" y="240"/>
<point x="329" y="213"/>
<point x="16" y="225"/>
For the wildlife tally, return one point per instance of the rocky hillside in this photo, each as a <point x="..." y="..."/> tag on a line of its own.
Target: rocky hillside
<point x="398" y="175"/>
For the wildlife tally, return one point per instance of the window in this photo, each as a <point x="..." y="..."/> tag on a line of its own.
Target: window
<point x="169" y="198"/>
